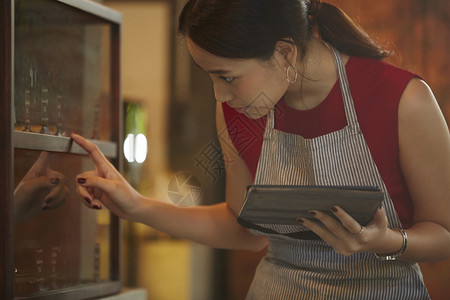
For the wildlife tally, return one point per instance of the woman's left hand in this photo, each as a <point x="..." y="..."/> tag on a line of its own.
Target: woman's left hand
<point x="348" y="236"/>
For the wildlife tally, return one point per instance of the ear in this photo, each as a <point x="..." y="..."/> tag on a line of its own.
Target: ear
<point x="288" y="50"/>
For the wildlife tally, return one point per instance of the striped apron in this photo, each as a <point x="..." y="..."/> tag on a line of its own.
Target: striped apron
<point x="309" y="268"/>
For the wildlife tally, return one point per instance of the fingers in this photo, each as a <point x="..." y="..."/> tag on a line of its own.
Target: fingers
<point x="333" y="232"/>
<point x="343" y="233"/>
<point x="88" y="198"/>
<point x="40" y="183"/>
<point x="40" y="176"/>
<point x="55" y="174"/>
<point x="102" y="164"/>
<point x="350" y="226"/>
<point x="317" y="228"/>
<point x="39" y="167"/>
<point x="325" y="226"/>
<point x="95" y="183"/>
<point x="353" y="227"/>
<point x="58" y="190"/>
<point x="92" y="149"/>
<point x="43" y="160"/>
<point x="56" y="198"/>
<point x="91" y="187"/>
<point x="380" y="218"/>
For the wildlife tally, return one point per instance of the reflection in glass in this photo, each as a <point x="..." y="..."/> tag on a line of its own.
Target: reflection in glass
<point x="41" y="188"/>
<point x="59" y="117"/>
<point x="59" y="242"/>
<point x="27" y="111"/>
<point x="44" y="111"/>
<point x="62" y="61"/>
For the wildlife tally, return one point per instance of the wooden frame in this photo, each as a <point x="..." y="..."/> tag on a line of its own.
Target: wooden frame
<point x="6" y="177"/>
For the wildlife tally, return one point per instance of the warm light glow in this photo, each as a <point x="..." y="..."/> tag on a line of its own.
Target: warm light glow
<point x="135" y="148"/>
<point x="140" y="148"/>
<point x="128" y="147"/>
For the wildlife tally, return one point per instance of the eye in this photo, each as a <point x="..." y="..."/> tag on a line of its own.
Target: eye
<point x="227" y="79"/>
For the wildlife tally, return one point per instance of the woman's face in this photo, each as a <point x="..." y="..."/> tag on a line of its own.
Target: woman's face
<point x="251" y="86"/>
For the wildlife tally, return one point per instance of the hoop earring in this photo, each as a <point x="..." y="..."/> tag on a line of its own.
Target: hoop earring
<point x="287" y="74"/>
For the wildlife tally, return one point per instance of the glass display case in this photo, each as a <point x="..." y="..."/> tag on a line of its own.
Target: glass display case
<point x="61" y="74"/>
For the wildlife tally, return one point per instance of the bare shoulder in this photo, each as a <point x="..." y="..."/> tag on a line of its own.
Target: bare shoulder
<point x="418" y="99"/>
<point x="424" y="143"/>
<point x="419" y="112"/>
<point x="421" y="122"/>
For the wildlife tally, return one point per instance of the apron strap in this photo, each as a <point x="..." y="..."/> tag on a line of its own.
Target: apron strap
<point x="270" y="123"/>
<point x="349" y="107"/>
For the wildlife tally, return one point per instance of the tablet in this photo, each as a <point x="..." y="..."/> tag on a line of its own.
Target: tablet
<point x="281" y="204"/>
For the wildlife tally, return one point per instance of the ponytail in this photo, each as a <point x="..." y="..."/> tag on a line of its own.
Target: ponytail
<point x="339" y="30"/>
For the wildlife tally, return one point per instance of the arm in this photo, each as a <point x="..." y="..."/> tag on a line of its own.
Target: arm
<point x="425" y="161"/>
<point x="238" y="177"/>
<point x="213" y="225"/>
<point x="424" y="144"/>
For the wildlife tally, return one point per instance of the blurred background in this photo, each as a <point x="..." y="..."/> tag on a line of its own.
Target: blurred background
<point x="172" y="152"/>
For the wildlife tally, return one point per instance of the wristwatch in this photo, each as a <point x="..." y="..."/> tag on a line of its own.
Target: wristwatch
<point x="394" y="256"/>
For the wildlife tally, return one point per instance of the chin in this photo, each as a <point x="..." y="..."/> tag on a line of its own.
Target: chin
<point x="255" y="115"/>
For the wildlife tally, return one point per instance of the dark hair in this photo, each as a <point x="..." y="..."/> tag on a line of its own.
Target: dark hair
<point x="251" y="28"/>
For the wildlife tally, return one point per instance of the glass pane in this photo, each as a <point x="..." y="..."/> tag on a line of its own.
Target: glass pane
<point x="62" y="70"/>
<point x="63" y="244"/>
<point x="62" y="83"/>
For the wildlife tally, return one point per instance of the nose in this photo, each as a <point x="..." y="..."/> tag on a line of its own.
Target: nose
<point x="222" y="93"/>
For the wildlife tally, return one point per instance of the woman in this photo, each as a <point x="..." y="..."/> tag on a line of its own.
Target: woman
<point x="304" y="76"/>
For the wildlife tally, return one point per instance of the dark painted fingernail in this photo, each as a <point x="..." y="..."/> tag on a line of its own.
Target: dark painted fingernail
<point x="48" y="201"/>
<point x="45" y="207"/>
<point x="312" y="213"/>
<point x="81" y="180"/>
<point x="54" y="180"/>
<point x="334" y="209"/>
<point x="88" y="200"/>
<point x="96" y="206"/>
<point x="300" y="220"/>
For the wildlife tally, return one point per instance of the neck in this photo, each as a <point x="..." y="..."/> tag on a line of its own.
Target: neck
<point x="317" y="76"/>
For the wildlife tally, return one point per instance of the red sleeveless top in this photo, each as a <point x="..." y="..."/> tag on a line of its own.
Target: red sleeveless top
<point x="376" y="88"/>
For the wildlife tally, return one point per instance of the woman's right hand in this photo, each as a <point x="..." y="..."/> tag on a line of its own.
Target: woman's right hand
<point x="105" y="185"/>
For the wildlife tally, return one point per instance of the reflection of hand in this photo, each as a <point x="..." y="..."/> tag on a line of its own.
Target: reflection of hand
<point x="40" y="189"/>
<point x="106" y="184"/>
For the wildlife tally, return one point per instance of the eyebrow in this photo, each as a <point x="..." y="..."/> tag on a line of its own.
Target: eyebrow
<point x="213" y="71"/>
